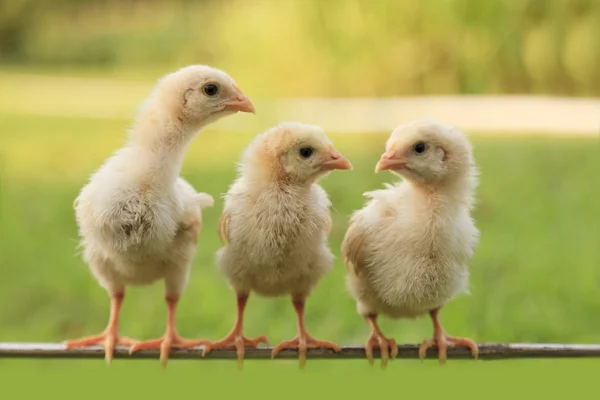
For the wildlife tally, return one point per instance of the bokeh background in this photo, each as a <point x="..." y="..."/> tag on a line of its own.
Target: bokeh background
<point x="72" y="73"/>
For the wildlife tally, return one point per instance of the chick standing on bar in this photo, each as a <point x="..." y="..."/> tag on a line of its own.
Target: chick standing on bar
<point x="275" y="226"/>
<point x="407" y="251"/>
<point x="138" y="219"/>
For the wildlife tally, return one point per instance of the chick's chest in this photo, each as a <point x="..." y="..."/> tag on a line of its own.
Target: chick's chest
<point x="281" y="221"/>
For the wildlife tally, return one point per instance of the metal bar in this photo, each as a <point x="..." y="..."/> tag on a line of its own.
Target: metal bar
<point x="487" y="351"/>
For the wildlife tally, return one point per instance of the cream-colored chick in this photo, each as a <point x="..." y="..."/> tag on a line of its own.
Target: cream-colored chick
<point x="138" y="220"/>
<point x="276" y="222"/>
<point x="407" y="251"/>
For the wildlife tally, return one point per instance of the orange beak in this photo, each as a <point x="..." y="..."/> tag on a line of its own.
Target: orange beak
<point x="239" y="102"/>
<point x="389" y="160"/>
<point x="336" y="160"/>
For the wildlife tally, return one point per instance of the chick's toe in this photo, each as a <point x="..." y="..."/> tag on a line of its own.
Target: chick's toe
<point x="303" y="341"/>
<point x="387" y="346"/>
<point x="170" y="339"/>
<point x="109" y="338"/>
<point x="442" y="341"/>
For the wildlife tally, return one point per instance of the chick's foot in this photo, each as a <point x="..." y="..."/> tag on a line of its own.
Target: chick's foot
<point x="170" y="340"/>
<point x="236" y="337"/>
<point x="387" y="347"/>
<point x="239" y="341"/>
<point x="445" y="341"/>
<point x="302" y="343"/>
<point x="442" y="341"/>
<point x="108" y="339"/>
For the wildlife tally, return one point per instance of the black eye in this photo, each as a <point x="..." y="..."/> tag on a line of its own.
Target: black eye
<point x="210" y="89"/>
<point x="420" y="147"/>
<point x="306" y="152"/>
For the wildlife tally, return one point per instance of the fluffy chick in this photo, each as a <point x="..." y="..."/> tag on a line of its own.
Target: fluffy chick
<point x="275" y="225"/>
<point x="138" y="220"/>
<point x="407" y="251"/>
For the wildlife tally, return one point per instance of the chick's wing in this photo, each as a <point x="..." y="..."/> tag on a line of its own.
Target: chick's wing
<point x="223" y="228"/>
<point x="353" y="247"/>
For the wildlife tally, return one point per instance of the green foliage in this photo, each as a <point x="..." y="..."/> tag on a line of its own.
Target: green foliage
<point x="324" y="48"/>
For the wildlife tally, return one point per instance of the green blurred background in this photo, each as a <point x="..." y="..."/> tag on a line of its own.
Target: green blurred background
<point x="321" y="48"/>
<point x="535" y="275"/>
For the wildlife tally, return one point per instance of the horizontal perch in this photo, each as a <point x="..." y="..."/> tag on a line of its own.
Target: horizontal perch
<point x="487" y="351"/>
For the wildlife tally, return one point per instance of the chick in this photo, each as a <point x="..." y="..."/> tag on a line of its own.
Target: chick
<point x="275" y="225"/>
<point x="138" y="220"/>
<point x="407" y="251"/>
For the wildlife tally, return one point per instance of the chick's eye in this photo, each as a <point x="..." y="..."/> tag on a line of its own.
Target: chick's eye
<point x="306" y="152"/>
<point x="210" y="89"/>
<point x="420" y="147"/>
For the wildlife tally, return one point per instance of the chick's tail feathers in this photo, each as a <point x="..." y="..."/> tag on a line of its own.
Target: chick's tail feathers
<point x="379" y="193"/>
<point x="204" y="200"/>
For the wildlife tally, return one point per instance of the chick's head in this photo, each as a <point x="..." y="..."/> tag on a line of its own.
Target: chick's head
<point x="295" y="152"/>
<point x="428" y="152"/>
<point x="200" y="94"/>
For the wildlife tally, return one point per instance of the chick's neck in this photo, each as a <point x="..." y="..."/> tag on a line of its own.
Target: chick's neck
<point x="456" y="192"/>
<point x="158" y="150"/>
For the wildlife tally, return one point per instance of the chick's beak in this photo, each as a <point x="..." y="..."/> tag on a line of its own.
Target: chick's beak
<point x="335" y="160"/>
<point x="239" y="102"/>
<point x="389" y="160"/>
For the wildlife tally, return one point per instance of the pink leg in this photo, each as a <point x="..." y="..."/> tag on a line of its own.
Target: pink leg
<point x="442" y="340"/>
<point x="303" y="340"/>
<point x="235" y="338"/>
<point x="109" y="338"/>
<point x="170" y="339"/>
<point x="387" y="346"/>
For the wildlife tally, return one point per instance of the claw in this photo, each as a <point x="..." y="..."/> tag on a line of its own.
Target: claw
<point x="443" y="341"/>
<point x="169" y="341"/>
<point x="387" y="347"/>
<point x="302" y="343"/>
<point x="239" y="341"/>
<point x="108" y="340"/>
<point x="110" y="337"/>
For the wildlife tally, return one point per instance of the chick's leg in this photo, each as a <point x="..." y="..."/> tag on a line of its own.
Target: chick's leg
<point x="387" y="347"/>
<point x="235" y="338"/>
<point x="443" y="341"/>
<point x="110" y="337"/>
<point x="170" y="339"/>
<point x="303" y="340"/>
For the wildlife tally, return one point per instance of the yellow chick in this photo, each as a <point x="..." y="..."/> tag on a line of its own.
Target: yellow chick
<point x="407" y="251"/>
<point x="138" y="220"/>
<point x="275" y="225"/>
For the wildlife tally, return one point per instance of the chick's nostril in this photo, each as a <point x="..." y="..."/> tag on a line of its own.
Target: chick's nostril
<point x="389" y="155"/>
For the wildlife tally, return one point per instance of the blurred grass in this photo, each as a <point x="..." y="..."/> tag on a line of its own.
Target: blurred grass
<point x="535" y="276"/>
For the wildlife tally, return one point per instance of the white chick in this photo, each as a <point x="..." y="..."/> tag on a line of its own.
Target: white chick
<point x="138" y="220"/>
<point x="276" y="221"/>
<point x="407" y="251"/>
